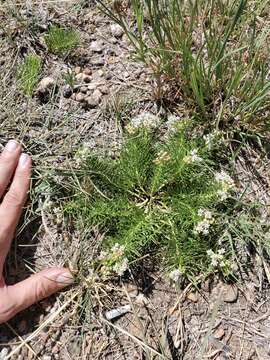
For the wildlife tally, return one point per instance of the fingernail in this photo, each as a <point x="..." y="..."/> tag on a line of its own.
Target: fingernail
<point x="12" y="145"/>
<point x="24" y="158"/>
<point x="65" y="279"/>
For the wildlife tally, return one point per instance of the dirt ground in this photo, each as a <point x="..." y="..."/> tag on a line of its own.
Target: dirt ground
<point x="213" y="320"/>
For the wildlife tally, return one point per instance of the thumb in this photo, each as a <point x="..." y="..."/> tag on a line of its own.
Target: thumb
<point x="38" y="287"/>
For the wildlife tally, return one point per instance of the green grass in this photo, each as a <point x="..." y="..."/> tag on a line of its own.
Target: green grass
<point x="209" y="54"/>
<point x="29" y="73"/>
<point x="60" y="40"/>
<point x="162" y="199"/>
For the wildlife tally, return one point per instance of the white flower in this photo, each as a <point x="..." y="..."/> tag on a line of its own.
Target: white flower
<point x="193" y="157"/>
<point x="202" y="227"/>
<point x="175" y="275"/>
<point x="223" y="195"/>
<point x="163" y="156"/>
<point x="226" y="183"/>
<point x="217" y="259"/>
<point x="82" y="154"/>
<point x="103" y="255"/>
<point x="206" y="214"/>
<point x="118" y="250"/>
<point x="224" y="179"/>
<point x="146" y="120"/>
<point x="121" y="267"/>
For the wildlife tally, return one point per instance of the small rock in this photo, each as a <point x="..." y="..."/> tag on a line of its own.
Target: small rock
<point x="46" y="84"/>
<point x="192" y="296"/>
<point x="115" y="313"/>
<point x="67" y="91"/>
<point x="80" y="97"/>
<point x="3" y="353"/>
<point x="87" y="79"/>
<point x="83" y="89"/>
<point x="97" y="95"/>
<point x="77" y="70"/>
<point x="219" y="333"/>
<point x="141" y="300"/>
<point x="87" y="71"/>
<point x="46" y="357"/>
<point x="230" y="293"/>
<point x="132" y="290"/>
<point x="104" y="89"/>
<point x="96" y="46"/>
<point x="80" y="76"/>
<point x="94" y="99"/>
<point x="117" y="30"/>
<point x="97" y="74"/>
<point x="98" y="61"/>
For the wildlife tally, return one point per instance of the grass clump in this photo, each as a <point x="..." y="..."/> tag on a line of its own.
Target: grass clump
<point x="164" y="199"/>
<point x="60" y="40"/>
<point x="29" y="73"/>
<point x="210" y="54"/>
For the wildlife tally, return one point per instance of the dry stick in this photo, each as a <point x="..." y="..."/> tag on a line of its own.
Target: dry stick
<point x="141" y="343"/>
<point x="22" y="340"/>
<point x="42" y="326"/>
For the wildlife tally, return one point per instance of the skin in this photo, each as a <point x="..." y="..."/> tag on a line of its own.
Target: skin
<point x="15" y="172"/>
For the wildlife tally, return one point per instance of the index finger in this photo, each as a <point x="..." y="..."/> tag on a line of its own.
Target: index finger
<point x="11" y="207"/>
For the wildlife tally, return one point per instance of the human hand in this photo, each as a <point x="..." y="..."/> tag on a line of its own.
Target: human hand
<point x="15" y="169"/>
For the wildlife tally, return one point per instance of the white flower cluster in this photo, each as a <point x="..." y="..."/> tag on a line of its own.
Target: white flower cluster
<point x="143" y="120"/>
<point x="226" y="183"/>
<point x="172" y="123"/>
<point x="217" y="259"/>
<point x="163" y="156"/>
<point x="193" y="157"/>
<point x="114" y="259"/>
<point x="82" y="154"/>
<point x="121" y="267"/>
<point x="211" y="138"/>
<point x="203" y="226"/>
<point x="175" y="275"/>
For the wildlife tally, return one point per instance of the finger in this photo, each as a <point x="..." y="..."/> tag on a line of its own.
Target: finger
<point x="38" y="287"/>
<point x="11" y="207"/>
<point x="8" y="162"/>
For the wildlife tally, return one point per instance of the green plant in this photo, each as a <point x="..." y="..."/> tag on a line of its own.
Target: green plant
<point x="210" y="53"/>
<point x="60" y="40"/>
<point x="29" y="73"/>
<point x="163" y="199"/>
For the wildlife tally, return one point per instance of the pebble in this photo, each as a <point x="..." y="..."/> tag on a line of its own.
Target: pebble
<point x="230" y="293"/>
<point x="77" y="70"/>
<point x="87" y="71"/>
<point x="132" y="290"/>
<point x="141" y="300"/>
<point x="46" y="357"/>
<point x="96" y="46"/>
<point x="117" y="30"/>
<point x="219" y="333"/>
<point x="115" y="313"/>
<point x="98" y="61"/>
<point x="67" y="91"/>
<point x="46" y="84"/>
<point x="104" y="89"/>
<point x="80" y="97"/>
<point x="80" y="76"/>
<point x="83" y="89"/>
<point x="97" y="74"/>
<point x="3" y="353"/>
<point x="94" y="99"/>
<point x="192" y="296"/>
